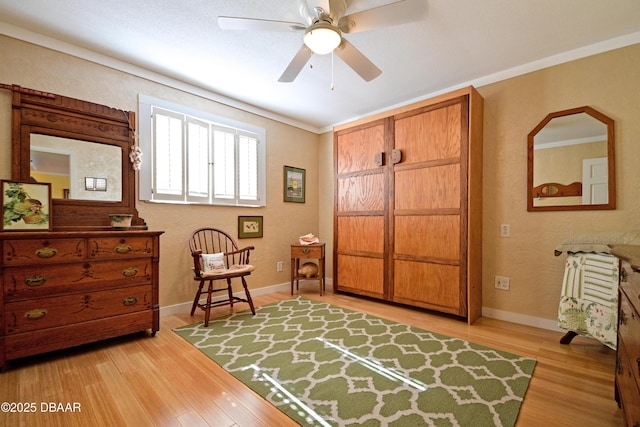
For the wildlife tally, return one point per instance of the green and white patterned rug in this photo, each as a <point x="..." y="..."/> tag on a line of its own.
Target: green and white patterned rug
<point x="324" y="365"/>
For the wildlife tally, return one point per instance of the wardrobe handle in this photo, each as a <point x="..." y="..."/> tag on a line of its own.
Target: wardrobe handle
<point x="379" y="159"/>
<point x="396" y="156"/>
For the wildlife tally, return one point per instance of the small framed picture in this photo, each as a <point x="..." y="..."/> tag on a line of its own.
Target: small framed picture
<point x="294" y="183"/>
<point x="249" y="227"/>
<point x="26" y="206"/>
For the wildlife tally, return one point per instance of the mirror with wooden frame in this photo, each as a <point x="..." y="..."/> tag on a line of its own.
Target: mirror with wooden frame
<point x="92" y="141"/>
<point x="571" y="162"/>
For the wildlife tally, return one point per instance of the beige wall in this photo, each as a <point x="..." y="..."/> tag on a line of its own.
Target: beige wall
<point x="43" y="69"/>
<point x="608" y="82"/>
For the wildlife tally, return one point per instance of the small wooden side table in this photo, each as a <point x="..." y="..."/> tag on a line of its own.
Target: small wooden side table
<point x="313" y="251"/>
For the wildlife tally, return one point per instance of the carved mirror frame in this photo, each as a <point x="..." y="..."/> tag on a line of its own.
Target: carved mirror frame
<point x="36" y="112"/>
<point x="550" y="189"/>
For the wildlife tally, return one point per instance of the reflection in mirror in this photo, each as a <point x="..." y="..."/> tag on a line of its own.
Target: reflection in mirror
<point x="571" y="162"/>
<point x="66" y="163"/>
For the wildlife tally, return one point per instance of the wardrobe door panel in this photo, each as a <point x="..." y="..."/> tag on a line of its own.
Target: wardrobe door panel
<point x="362" y="275"/>
<point x="350" y="238"/>
<point x="431" y="135"/>
<point x="428" y="285"/>
<point x="428" y="188"/>
<point x="356" y="151"/>
<point x="361" y="193"/>
<point x="360" y="204"/>
<point x="428" y="237"/>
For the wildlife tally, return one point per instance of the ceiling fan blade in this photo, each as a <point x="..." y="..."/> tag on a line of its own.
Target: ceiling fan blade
<point x="234" y="23"/>
<point x="400" y="12"/>
<point x="356" y="60"/>
<point x="297" y="64"/>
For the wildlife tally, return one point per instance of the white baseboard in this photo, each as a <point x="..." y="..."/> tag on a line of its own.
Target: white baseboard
<point x="521" y="319"/>
<point x="185" y="307"/>
<point x="492" y="313"/>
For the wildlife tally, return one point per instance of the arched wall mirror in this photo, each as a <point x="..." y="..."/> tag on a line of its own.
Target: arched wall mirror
<point x="571" y="162"/>
<point x="82" y="149"/>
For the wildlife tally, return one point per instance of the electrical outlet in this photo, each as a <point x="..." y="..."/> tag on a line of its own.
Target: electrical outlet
<point x="502" y="283"/>
<point x="505" y="230"/>
<point x="279" y="266"/>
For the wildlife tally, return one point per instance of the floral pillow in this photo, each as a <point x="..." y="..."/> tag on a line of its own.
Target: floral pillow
<point x="213" y="263"/>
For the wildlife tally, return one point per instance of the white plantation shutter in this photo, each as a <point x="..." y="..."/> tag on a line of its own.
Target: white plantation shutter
<point x="198" y="164"/>
<point x="224" y="164"/>
<point x="247" y="167"/>
<point x="168" y="155"/>
<point x="199" y="158"/>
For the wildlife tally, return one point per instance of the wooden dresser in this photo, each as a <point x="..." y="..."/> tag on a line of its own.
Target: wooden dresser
<point x="628" y="351"/>
<point x="62" y="289"/>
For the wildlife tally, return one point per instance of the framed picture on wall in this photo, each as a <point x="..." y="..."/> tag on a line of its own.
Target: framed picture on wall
<point x="26" y="206"/>
<point x="249" y="227"/>
<point x="294" y="184"/>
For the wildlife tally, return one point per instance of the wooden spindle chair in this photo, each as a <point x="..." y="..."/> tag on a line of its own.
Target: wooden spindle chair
<point x="209" y="241"/>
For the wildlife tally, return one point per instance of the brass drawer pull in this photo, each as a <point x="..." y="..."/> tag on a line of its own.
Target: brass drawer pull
<point x="35" y="281"/>
<point x="122" y="248"/>
<point x="130" y="272"/>
<point x="35" y="314"/>
<point x="46" y="252"/>
<point x="306" y="250"/>
<point x="129" y="301"/>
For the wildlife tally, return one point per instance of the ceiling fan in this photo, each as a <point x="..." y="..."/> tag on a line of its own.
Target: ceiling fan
<point x="325" y="24"/>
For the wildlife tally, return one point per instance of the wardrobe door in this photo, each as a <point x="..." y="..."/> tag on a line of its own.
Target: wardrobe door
<point x="360" y="204"/>
<point x="428" y="207"/>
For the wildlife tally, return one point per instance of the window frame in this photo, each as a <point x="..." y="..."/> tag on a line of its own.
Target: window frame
<point x="146" y="178"/>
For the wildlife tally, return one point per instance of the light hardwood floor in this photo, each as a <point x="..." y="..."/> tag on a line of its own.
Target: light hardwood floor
<point x="164" y="381"/>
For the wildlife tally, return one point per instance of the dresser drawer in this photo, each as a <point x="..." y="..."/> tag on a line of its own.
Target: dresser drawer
<point x="628" y="388"/>
<point x="120" y="247"/>
<point x="41" y="313"/>
<point x="629" y="332"/>
<point x="36" y="281"/>
<point x="28" y="251"/>
<point x="307" y="251"/>
<point x="630" y="283"/>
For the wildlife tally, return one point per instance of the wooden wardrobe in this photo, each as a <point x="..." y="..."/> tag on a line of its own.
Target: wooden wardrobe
<point x="408" y="205"/>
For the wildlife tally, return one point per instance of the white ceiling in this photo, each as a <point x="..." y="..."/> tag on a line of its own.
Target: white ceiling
<point x="460" y="42"/>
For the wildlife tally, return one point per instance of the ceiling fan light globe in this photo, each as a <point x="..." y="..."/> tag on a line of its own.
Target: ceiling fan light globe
<point x="322" y="38"/>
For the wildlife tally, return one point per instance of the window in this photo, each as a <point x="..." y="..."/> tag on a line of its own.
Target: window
<point x="195" y="157"/>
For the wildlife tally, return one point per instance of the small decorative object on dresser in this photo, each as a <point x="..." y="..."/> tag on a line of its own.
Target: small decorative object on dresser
<point x="628" y="352"/>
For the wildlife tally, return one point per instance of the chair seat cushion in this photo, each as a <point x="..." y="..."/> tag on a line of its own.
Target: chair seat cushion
<point x="233" y="270"/>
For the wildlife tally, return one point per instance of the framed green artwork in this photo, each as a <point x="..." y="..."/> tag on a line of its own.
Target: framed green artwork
<point x="294" y="184"/>
<point x="249" y="227"/>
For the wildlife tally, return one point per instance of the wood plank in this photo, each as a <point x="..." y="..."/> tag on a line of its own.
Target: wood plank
<point x="571" y="385"/>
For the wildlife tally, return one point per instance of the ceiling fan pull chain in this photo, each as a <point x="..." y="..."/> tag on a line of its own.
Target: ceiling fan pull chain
<point x="331" y="70"/>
